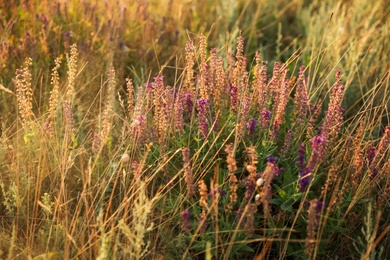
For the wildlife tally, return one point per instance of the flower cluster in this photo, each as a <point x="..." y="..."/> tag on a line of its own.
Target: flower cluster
<point x="265" y="116"/>
<point x="319" y="145"/>
<point x="251" y="126"/>
<point x="202" y="117"/>
<point x="189" y="179"/>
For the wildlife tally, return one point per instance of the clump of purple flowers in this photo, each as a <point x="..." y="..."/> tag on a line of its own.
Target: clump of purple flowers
<point x="304" y="179"/>
<point x="251" y="126"/>
<point x="188" y="102"/>
<point x="318" y="145"/>
<point x="265" y="116"/>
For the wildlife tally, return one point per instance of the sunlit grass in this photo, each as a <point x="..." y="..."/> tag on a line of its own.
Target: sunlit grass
<point x="185" y="130"/>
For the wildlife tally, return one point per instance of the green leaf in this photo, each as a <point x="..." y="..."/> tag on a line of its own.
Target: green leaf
<point x="282" y="194"/>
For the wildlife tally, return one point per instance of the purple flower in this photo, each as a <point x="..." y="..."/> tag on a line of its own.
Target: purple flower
<point x="320" y="206"/>
<point x="202" y="102"/>
<point x="185" y="215"/>
<point x="202" y="120"/>
<point x="304" y="180"/>
<point x="318" y="145"/>
<point x="214" y="192"/>
<point x="373" y="173"/>
<point x="233" y="97"/>
<point x="301" y="157"/>
<point x="265" y="116"/>
<point x="272" y="159"/>
<point x="250" y="189"/>
<point x="158" y="79"/>
<point x="371" y="154"/>
<point x="188" y="102"/>
<point x="149" y="87"/>
<point x="251" y="126"/>
<point x="278" y="170"/>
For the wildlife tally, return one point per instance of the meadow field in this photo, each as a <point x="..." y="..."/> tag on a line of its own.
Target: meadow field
<point x="190" y="129"/>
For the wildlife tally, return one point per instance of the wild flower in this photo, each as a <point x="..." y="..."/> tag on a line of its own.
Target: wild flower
<point x="266" y="190"/>
<point x="233" y="98"/>
<point x="250" y="181"/>
<point x="252" y="161"/>
<point x="243" y="118"/>
<point x="169" y="101"/>
<point x="203" y="204"/>
<point x="185" y="216"/>
<point x="263" y="91"/>
<point x="301" y="105"/>
<point x="249" y="220"/>
<point x="232" y="168"/>
<point x="314" y="114"/>
<point x="96" y="143"/>
<point x="315" y="208"/>
<point x="383" y="146"/>
<point x="212" y="72"/>
<point x="370" y="155"/>
<point x="287" y="142"/>
<point x="189" y="104"/>
<point x="190" y="61"/>
<point x="244" y="93"/>
<point x="203" y="195"/>
<point x="277" y="170"/>
<point x="283" y="96"/>
<point x="140" y="102"/>
<point x="250" y="187"/>
<point x="251" y="126"/>
<point x="109" y="105"/>
<point x="72" y="71"/>
<point x="138" y="130"/>
<point x="69" y="121"/>
<point x="358" y="160"/>
<point x="274" y="83"/>
<point x="265" y="116"/>
<point x="239" y="67"/>
<point x="304" y="179"/>
<point x="203" y="69"/>
<point x="54" y="95"/>
<point x="215" y="192"/>
<point x="24" y="92"/>
<point x="220" y="83"/>
<point x="160" y="107"/>
<point x="334" y="116"/>
<point x="202" y="116"/>
<point x="178" y="113"/>
<point x="256" y="88"/>
<point x="319" y="146"/>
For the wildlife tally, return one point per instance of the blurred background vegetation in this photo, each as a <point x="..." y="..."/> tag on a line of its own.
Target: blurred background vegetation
<point x="144" y="38"/>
